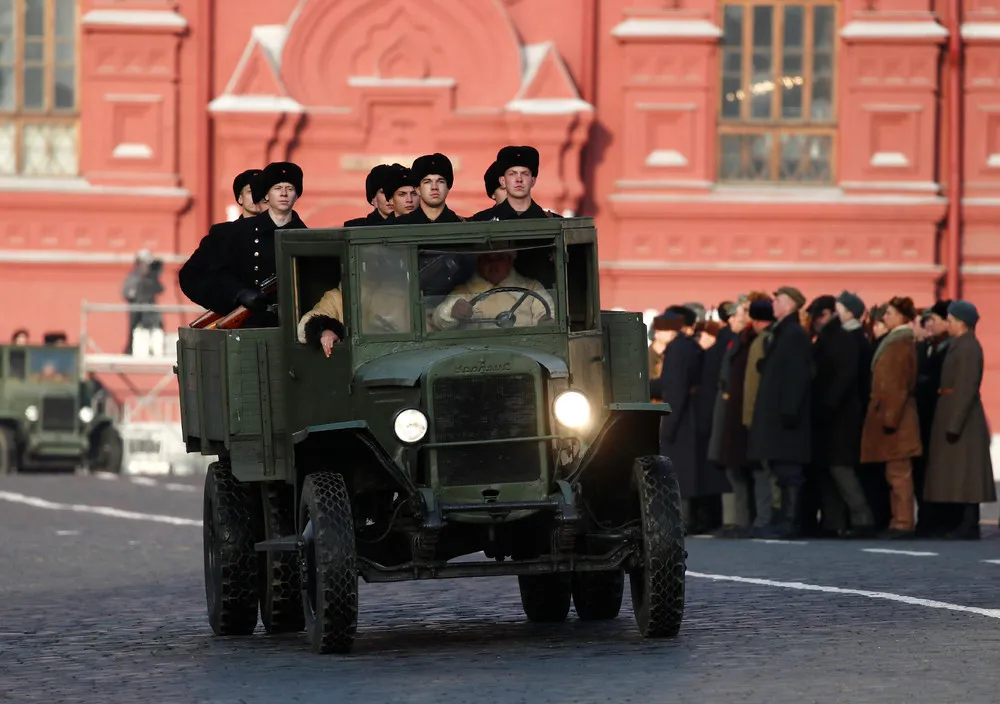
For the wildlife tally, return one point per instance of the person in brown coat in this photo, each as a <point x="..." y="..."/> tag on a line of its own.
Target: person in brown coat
<point x="891" y="432"/>
<point x="959" y="467"/>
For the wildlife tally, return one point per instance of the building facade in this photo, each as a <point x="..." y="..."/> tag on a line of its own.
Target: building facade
<point x="721" y="145"/>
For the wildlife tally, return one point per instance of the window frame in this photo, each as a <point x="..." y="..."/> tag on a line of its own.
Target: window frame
<point x="779" y="126"/>
<point x="49" y="114"/>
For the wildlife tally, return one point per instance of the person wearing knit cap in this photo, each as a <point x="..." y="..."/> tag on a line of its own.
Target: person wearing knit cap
<point x="837" y="416"/>
<point x="245" y="192"/>
<point x="850" y="306"/>
<point x="433" y="175"/>
<point x="375" y="198"/>
<point x="959" y="466"/>
<point x="676" y="386"/>
<point x="519" y="169"/>
<point x="491" y="181"/>
<point x="400" y="189"/>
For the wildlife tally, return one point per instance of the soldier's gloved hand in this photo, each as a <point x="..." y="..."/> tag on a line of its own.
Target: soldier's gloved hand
<point x="251" y="300"/>
<point x="462" y="310"/>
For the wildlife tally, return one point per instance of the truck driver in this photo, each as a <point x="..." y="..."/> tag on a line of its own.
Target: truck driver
<point x="496" y="269"/>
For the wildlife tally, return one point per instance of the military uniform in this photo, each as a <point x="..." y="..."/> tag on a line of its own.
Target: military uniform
<point x="508" y="158"/>
<point x="505" y="212"/>
<point x="419" y="217"/>
<point x="373" y="184"/>
<point x="239" y="255"/>
<point x="373" y="218"/>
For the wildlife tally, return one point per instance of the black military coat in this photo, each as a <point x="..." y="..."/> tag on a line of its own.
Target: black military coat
<point x="930" y="360"/>
<point x="419" y="217"/>
<point x="373" y="218"/>
<point x="231" y="257"/>
<point x="781" y="430"/>
<point x="505" y="212"/>
<point x="705" y="404"/>
<point x="838" y="410"/>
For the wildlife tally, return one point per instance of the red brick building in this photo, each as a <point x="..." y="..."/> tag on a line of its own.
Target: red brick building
<point x="720" y="144"/>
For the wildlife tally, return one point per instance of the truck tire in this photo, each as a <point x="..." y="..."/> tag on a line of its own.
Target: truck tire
<point x="280" y="594"/>
<point x="108" y="451"/>
<point x="545" y="597"/>
<point x="657" y="584"/>
<point x="8" y="451"/>
<point x="329" y="563"/>
<point x="597" y="596"/>
<point x="231" y="520"/>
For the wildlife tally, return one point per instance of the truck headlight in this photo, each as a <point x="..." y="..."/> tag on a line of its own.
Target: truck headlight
<point x="86" y="414"/>
<point x="31" y="413"/>
<point x="572" y="409"/>
<point x="410" y="425"/>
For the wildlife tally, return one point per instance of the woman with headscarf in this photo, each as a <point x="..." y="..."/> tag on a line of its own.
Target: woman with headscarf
<point x="891" y="432"/>
<point x="959" y="467"/>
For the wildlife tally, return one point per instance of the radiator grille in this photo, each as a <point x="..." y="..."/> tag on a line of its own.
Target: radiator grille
<point x="490" y="407"/>
<point x="59" y="413"/>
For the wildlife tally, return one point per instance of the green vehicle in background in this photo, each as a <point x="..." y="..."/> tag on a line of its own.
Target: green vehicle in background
<point x="520" y="432"/>
<point x="49" y="418"/>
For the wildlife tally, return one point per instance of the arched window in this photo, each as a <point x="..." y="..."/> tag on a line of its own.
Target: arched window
<point x="39" y="97"/>
<point x="777" y="108"/>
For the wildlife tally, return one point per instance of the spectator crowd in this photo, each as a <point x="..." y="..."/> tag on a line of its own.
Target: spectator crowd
<point x="826" y="420"/>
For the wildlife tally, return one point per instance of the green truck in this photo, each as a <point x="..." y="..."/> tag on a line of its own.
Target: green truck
<point x="515" y="427"/>
<point x="49" y="417"/>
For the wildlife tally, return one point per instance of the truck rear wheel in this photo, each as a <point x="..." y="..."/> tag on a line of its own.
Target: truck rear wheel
<point x="230" y="521"/>
<point x="8" y="451"/>
<point x="280" y="594"/>
<point x="328" y="563"/>
<point x="657" y="584"/>
<point x="597" y="596"/>
<point x="545" y="597"/>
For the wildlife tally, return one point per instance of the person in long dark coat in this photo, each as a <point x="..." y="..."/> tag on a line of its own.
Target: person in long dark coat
<point x="709" y="507"/>
<point x="781" y="432"/>
<point x="933" y="519"/>
<point x="960" y="469"/>
<point x="677" y="386"/>
<point x="837" y="417"/>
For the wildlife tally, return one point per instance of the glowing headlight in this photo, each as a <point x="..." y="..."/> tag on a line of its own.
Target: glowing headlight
<point x="572" y="409"/>
<point x="31" y="413"/>
<point x="86" y="414"/>
<point x="410" y="425"/>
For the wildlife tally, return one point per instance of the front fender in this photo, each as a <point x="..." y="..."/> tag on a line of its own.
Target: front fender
<point x="604" y="474"/>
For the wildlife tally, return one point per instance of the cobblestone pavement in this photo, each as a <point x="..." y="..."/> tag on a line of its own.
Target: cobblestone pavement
<point x="111" y="608"/>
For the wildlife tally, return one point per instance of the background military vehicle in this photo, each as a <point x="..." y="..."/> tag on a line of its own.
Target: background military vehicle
<point x="49" y="418"/>
<point x="524" y="433"/>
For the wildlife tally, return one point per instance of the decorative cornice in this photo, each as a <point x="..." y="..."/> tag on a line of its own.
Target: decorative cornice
<point x="155" y="20"/>
<point x="877" y="30"/>
<point x="650" y="28"/>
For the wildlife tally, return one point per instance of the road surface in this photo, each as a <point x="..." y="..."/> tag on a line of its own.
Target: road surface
<point x="103" y="601"/>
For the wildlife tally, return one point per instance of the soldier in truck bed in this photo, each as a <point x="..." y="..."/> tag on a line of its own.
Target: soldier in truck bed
<point x="519" y="169"/>
<point x="229" y="266"/>
<point x="376" y="198"/>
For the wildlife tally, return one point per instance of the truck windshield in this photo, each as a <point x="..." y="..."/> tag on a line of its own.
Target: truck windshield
<point x="52" y="365"/>
<point x="465" y="287"/>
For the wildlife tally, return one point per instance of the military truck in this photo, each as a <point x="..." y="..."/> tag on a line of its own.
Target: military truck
<point x="49" y="418"/>
<point x="515" y="428"/>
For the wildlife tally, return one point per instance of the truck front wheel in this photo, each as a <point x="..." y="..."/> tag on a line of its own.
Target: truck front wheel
<point x="657" y="583"/>
<point x="230" y="524"/>
<point x="280" y="600"/>
<point x="597" y="596"/>
<point x="328" y="563"/>
<point x="108" y="450"/>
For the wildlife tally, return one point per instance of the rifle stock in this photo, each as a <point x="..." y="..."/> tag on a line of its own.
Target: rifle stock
<point x="235" y="318"/>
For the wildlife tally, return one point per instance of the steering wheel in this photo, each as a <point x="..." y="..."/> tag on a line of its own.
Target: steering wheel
<point x="507" y="318"/>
